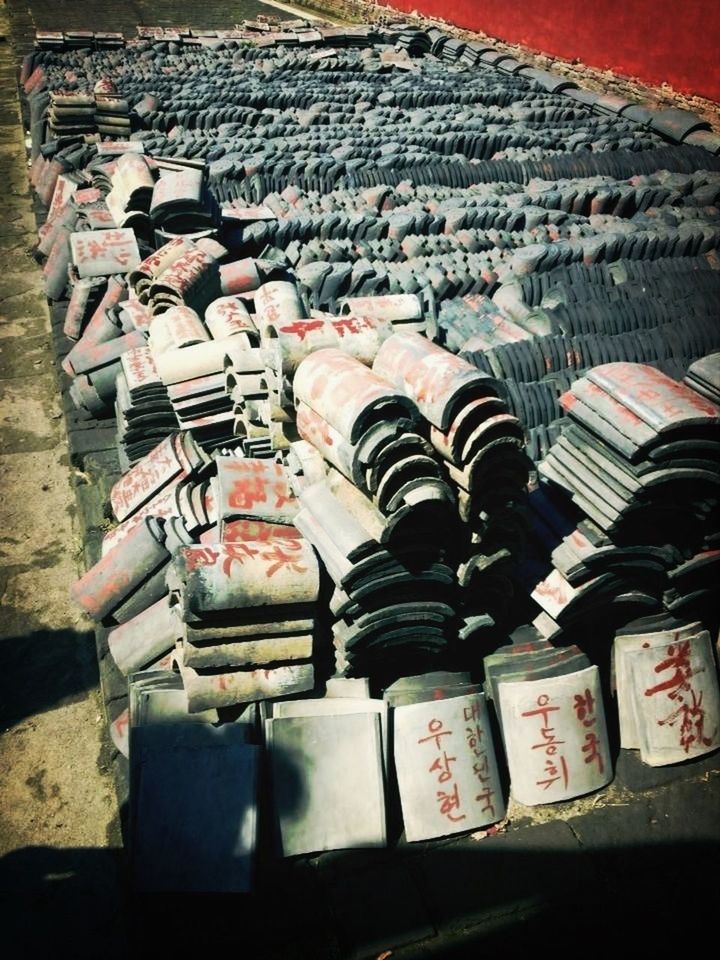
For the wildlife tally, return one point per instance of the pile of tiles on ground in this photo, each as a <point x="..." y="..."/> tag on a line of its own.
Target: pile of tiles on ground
<point x="247" y="600"/>
<point x="398" y="510"/>
<point x="376" y="517"/>
<point x="112" y="113"/>
<point x="638" y="458"/>
<point x="376" y="235"/>
<point x="329" y="288"/>
<point x="176" y="573"/>
<point x="704" y="377"/>
<point x="353" y="218"/>
<point x="548" y="329"/>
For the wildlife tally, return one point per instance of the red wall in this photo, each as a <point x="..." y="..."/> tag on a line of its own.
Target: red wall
<point x="676" y="41"/>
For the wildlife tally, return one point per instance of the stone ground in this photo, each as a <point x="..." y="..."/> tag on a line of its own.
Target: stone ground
<point x="641" y="855"/>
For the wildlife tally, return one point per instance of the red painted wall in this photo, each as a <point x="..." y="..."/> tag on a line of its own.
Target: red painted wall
<point x="676" y="41"/>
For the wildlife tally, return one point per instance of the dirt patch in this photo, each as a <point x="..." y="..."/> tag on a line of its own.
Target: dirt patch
<point x="55" y="792"/>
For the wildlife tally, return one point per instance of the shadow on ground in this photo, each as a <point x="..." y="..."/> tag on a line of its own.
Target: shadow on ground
<point x="452" y="903"/>
<point x="62" y="903"/>
<point x="43" y="669"/>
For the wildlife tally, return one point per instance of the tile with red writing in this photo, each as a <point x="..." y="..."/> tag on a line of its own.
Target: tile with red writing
<point x="178" y="327"/>
<point x="555" y="594"/>
<point x="144" y="638"/>
<point x="161" y="505"/>
<point x="210" y="688"/>
<point x="249" y="652"/>
<point x="177" y="202"/>
<point x="431" y="376"/>
<point x="101" y="217"/>
<point x="398" y="306"/>
<point x="114" y="148"/>
<point x="146" y="479"/>
<point x="555" y="737"/>
<point x="532" y="661"/>
<point x="100" y="253"/>
<point x="446" y="767"/>
<point x="438" y="685"/>
<point x="227" y="317"/>
<point x="624" y="690"/>
<point x="277" y="302"/>
<point x="247" y="214"/>
<point x="346" y="394"/>
<point x="64" y="189"/>
<point x="216" y="578"/>
<point x="123" y="571"/>
<point x="653" y="397"/>
<point x="238" y="531"/>
<point x="139" y="370"/>
<point x="674" y="689"/>
<point x="257" y="489"/>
